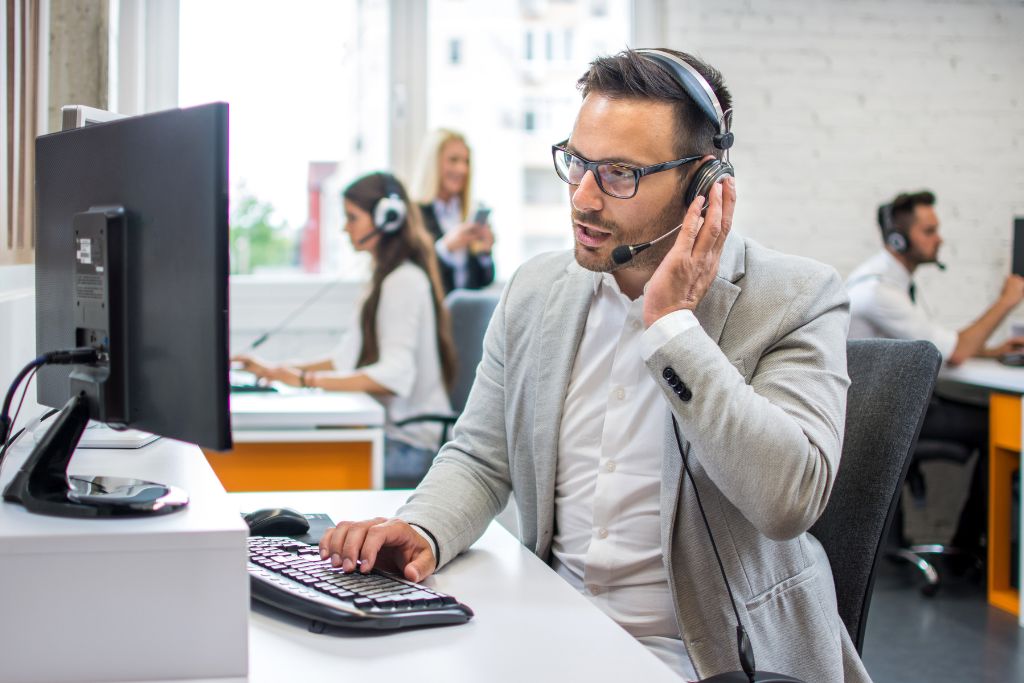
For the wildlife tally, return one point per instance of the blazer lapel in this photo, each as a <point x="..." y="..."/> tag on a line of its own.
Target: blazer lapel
<point x="713" y="310"/>
<point x="564" y="318"/>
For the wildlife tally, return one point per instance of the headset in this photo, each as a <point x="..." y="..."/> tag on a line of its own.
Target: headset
<point x="700" y="91"/>
<point x="894" y="238"/>
<point x="711" y="171"/>
<point x="389" y="212"/>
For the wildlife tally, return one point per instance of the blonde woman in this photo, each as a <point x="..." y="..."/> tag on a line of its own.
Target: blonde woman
<point x="462" y="242"/>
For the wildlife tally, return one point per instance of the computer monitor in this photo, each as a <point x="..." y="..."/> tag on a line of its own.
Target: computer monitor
<point x="132" y="260"/>
<point x="1018" y="246"/>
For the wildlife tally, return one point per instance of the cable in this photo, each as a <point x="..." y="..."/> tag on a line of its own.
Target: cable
<point x="6" y="424"/>
<point x="83" y="354"/>
<point x="746" y="654"/>
<point x="14" y="420"/>
<point x="291" y="316"/>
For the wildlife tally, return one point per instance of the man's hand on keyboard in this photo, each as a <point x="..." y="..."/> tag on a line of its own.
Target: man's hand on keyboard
<point x="388" y="544"/>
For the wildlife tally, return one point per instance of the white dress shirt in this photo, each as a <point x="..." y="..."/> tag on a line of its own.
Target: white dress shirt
<point x="607" y="493"/>
<point x="409" y="363"/>
<point x="881" y="306"/>
<point x="449" y="217"/>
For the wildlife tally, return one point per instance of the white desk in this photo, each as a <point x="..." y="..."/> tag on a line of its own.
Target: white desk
<point x="109" y="599"/>
<point x="303" y="439"/>
<point x="1006" y="422"/>
<point x="530" y="625"/>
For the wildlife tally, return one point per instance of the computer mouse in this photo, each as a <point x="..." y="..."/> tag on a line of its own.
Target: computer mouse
<point x="276" y="522"/>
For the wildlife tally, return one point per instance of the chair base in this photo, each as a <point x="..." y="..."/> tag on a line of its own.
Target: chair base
<point x="913" y="555"/>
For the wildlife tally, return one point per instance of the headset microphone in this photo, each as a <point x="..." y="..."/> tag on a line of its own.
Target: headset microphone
<point x="624" y="253"/>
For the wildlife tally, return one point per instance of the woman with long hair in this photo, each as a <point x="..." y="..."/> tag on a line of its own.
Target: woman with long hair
<point x="399" y="346"/>
<point x="462" y="242"/>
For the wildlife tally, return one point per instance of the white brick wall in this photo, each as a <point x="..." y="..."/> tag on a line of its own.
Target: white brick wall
<point x="839" y="105"/>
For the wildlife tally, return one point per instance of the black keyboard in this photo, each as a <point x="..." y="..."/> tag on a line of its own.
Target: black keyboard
<point x="251" y="388"/>
<point x="290" y="575"/>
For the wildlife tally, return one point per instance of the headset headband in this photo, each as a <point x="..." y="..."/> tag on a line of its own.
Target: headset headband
<point x="699" y="90"/>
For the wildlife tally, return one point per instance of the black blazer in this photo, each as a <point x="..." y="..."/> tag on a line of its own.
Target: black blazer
<point x="480" y="271"/>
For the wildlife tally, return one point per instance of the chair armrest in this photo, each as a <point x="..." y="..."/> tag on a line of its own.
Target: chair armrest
<point x="446" y="420"/>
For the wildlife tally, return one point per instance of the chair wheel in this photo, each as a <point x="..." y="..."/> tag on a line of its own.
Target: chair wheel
<point x="929" y="590"/>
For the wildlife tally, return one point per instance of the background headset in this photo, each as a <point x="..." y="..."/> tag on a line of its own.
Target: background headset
<point x="700" y="91"/>
<point x="389" y="212"/>
<point x="893" y="236"/>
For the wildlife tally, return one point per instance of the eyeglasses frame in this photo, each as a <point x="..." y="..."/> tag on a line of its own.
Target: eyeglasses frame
<point x="638" y="171"/>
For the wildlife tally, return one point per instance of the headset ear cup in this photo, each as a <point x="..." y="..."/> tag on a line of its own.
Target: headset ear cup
<point x="389" y="214"/>
<point x="897" y="242"/>
<point x="709" y="173"/>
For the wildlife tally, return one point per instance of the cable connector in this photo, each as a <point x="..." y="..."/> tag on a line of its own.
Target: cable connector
<point x="85" y="354"/>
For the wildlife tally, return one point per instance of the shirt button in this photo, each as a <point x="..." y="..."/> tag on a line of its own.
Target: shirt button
<point x="594" y="590"/>
<point x="620" y="393"/>
<point x="602" y="533"/>
<point x="637" y="324"/>
<point x="609" y="466"/>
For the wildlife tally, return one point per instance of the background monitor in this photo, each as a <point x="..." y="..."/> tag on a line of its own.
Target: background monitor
<point x="132" y="259"/>
<point x="1018" y="246"/>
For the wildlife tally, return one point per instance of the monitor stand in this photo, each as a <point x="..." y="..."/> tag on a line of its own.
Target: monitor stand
<point x="44" y="486"/>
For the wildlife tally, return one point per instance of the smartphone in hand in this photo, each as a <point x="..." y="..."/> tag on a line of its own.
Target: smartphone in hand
<point x="482" y="214"/>
<point x="479" y="219"/>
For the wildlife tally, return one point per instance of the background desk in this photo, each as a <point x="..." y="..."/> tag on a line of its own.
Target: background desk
<point x="295" y="440"/>
<point x="1006" y="385"/>
<point x="529" y="624"/>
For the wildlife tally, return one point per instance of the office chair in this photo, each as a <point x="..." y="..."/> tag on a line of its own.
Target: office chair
<point x="927" y="450"/>
<point x="891" y="382"/>
<point x="470" y="311"/>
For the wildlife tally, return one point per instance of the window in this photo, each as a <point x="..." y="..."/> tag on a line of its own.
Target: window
<point x="542" y="186"/>
<point x="313" y="107"/>
<point x="304" y="87"/>
<point x="512" y="100"/>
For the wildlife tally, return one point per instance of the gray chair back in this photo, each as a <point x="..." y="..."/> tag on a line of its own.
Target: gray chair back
<point x="891" y="383"/>
<point x="470" y="311"/>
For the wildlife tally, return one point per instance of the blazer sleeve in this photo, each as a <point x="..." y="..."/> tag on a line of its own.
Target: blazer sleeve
<point x="772" y="446"/>
<point x="473" y="467"/>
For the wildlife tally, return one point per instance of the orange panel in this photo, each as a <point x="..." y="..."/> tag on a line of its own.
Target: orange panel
<point x="1004" y="421"/>
<point x="1004" y="459"/>
<point x="306" y="466"/>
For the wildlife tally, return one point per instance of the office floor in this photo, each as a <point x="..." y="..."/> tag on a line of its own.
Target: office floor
<point x="952" y="637"/>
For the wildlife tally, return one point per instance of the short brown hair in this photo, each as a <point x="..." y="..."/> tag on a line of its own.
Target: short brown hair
<point x="629" y="74"/>
<point x="901" y="210"/>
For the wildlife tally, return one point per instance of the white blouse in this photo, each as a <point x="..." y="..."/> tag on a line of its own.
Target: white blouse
<point x="409" y="363"/>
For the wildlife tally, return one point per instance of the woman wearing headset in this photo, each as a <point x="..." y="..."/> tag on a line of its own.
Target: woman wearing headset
<point x="398" y="346"/>
<point x="462" y="242"/>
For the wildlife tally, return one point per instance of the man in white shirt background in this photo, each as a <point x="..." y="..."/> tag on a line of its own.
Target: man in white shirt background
<point x="884" y="302"/>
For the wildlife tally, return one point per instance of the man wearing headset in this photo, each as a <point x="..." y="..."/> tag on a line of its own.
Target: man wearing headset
<point x="883" y="297"/>
<point x="884" y="303"/>
<point x="591" y="362"/>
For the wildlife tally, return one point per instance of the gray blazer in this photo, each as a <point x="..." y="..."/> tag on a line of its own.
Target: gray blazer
<point x="763" y="427"/>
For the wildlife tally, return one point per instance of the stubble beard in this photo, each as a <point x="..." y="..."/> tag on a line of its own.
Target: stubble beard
<point x="670" y="217"/>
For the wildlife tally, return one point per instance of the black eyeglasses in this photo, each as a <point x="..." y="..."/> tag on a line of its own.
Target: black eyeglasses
<point x="615" y="179"/>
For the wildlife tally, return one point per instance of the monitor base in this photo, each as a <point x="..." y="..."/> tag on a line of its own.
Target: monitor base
<point x="43" y="486"/>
